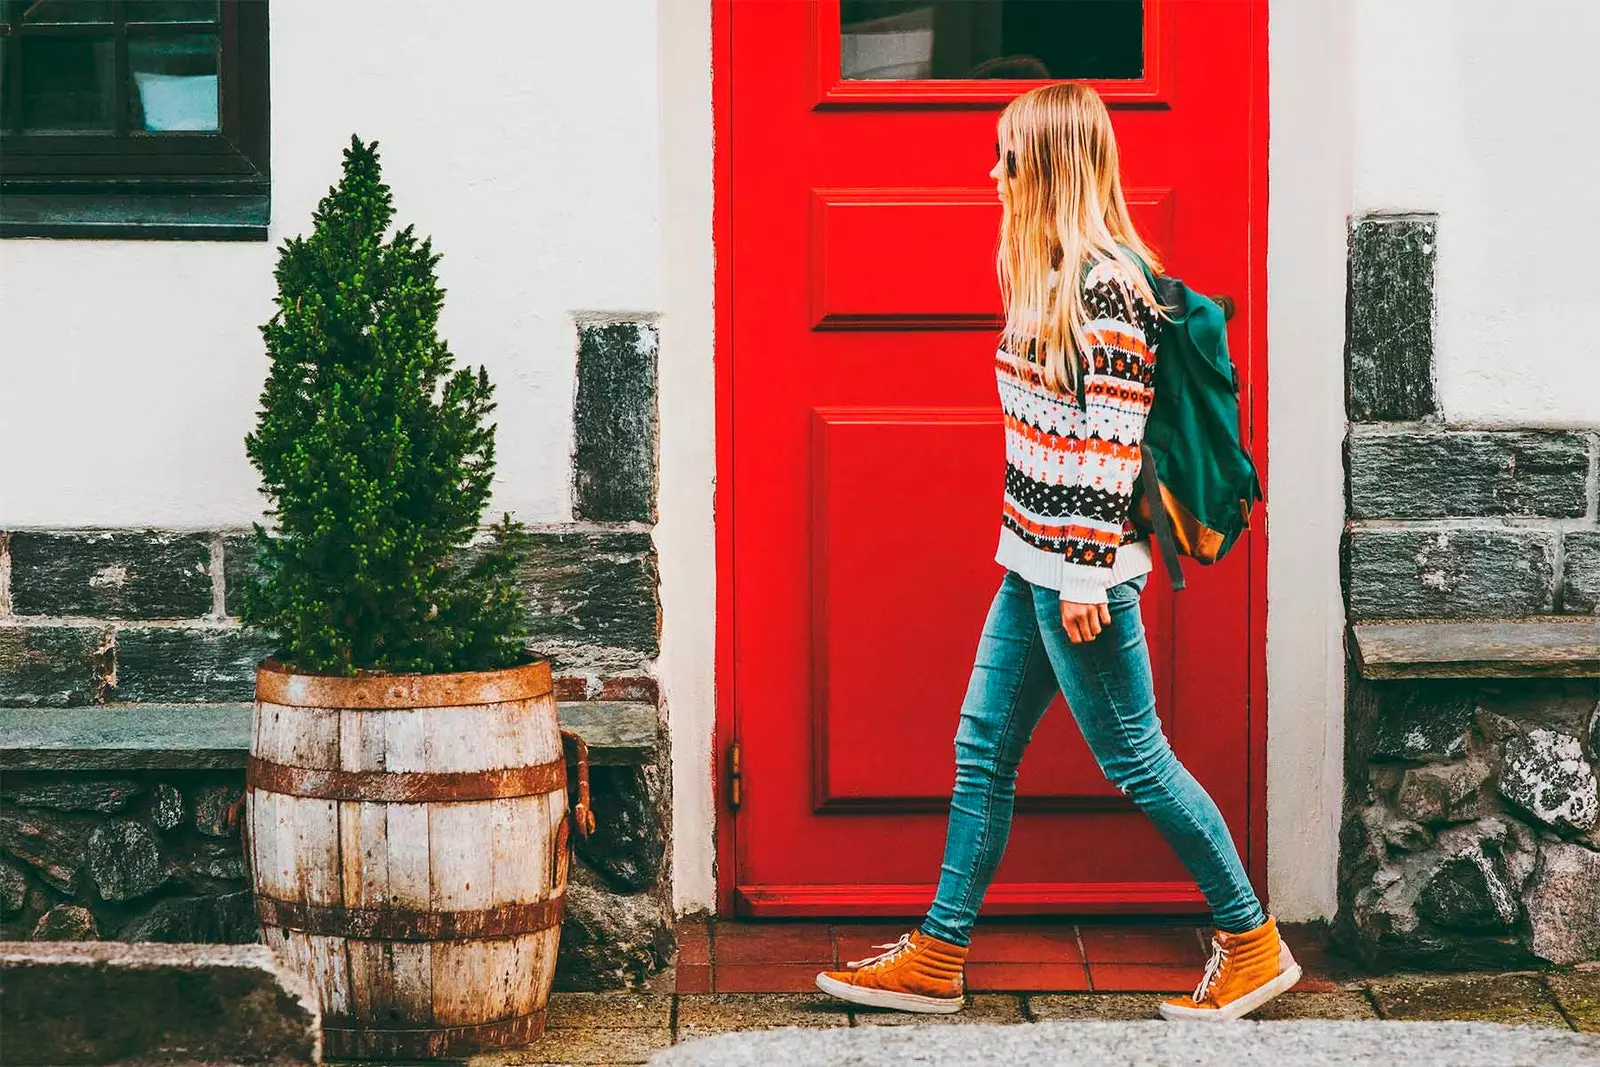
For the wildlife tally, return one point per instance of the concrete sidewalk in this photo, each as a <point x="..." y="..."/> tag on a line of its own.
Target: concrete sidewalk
<point x="1150" y="1044"/>
<point x="628" y="1028"/>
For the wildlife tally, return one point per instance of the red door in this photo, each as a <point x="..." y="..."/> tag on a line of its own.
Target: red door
<point x="861" y="453"/>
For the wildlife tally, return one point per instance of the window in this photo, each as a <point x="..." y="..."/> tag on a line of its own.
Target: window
<point x="973" y="39"/>
<point x="134" y="118"/>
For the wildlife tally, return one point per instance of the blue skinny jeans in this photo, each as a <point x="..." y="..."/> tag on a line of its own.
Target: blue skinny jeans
<point x="1023" y="656"/>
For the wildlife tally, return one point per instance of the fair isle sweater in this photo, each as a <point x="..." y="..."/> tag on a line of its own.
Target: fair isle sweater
<point x="1071" y="464"/>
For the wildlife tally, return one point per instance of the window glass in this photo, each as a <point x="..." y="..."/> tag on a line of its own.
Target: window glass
<point x="67" y="83"/>
<point x="174" y="81"/>
<point x="66" y="12"/>
<point x="971" y="39"/>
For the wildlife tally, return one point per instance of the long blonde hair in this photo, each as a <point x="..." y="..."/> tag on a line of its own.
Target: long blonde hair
<point x="1064" y="210"/>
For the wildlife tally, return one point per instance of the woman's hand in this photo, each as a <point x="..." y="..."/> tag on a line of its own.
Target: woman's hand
<point x="1083" y="622"/>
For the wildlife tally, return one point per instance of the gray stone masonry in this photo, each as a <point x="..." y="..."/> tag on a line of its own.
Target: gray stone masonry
<point x="118" y="1003"/>
<point x="1437" y="473"/>
<point x="1389" y="318"/>
<point x="614" y="423"/>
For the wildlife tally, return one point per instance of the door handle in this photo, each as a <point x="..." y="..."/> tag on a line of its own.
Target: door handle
<point x="1227" y="305"/>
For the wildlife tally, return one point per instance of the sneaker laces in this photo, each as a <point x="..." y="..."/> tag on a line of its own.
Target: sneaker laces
<point x="893" y="952"/>
<point x="1219" y="957"/>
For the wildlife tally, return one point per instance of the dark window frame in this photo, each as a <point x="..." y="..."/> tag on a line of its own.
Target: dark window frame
<point x="204" y="185"/>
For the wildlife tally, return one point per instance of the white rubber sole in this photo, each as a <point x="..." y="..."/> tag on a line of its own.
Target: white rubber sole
<point x="1244" y="1005"/>
<point x="883" y="998"/>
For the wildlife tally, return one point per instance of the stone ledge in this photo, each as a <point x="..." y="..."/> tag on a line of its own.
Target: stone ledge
<point x="1533" y="647"/>
<point x="116" y="1003"/>
<point x="217" y="736"/>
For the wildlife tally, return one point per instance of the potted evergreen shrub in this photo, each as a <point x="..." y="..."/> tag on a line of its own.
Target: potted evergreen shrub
<point x="407" y="813"/>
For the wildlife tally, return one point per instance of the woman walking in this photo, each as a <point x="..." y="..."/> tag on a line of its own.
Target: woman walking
<point x="1075" y="367"/>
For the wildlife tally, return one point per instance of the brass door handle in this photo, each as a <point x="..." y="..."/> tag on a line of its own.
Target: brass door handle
<point x="1227" y="305"/>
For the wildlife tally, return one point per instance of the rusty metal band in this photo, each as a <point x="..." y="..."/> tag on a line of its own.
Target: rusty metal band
<point x="344" y="1037"/>
<point x="400" y="924"/>
<point x="406" y="788"/>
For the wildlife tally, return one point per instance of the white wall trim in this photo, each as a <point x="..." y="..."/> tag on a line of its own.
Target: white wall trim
<point x="686" y="531"/>
<point x="1310" y="183"/>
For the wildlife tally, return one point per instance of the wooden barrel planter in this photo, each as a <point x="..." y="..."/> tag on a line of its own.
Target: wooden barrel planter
<point x="409" y="839"/>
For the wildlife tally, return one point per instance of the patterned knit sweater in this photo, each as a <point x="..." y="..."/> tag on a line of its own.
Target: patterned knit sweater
<point x="1071" y="465"/>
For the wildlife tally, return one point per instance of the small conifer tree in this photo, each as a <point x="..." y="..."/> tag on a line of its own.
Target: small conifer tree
<point x="377" y="455"/>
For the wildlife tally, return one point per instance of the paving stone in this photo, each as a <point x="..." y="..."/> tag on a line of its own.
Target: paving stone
<point x="1578" y="994"/>
<point x="616" y="1010"/>
<point x="716" y="1013"/>
<point x="173" y="664"/>
<point x="614" y="423"/>
<point x="1389" y="318"/>
<point x="1144" y="1044"/>
<point x="1468" y="473"/>
<point x="1126" y="1006"/>
<point x="598" y="1045"/>
<point x="592" y="597"/>
<point x="1517" y="999"/>
<point x="52" y="666"/>
<point x="146" y="574"/>
<point x="1474" y="572"/>
<point x="981" y="1008"/>
<point x="1580" y="573"/>
<point x="1344" y="1004"/>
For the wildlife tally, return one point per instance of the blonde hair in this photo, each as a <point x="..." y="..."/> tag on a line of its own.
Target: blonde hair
<point x="1064" y="211"/>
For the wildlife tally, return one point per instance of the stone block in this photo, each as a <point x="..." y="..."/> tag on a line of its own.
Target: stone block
<point x="629" y="842"/>
<point x="1441" y="792"/>
<point x="1389" y="318"/>
<point x="1423" y="720"/>
<point x="13" y="890"/>
<point x="74" y="794"/>
<point x="145" y="574"/>
<point x="1545" y="774"/>
<point x="1563" y="903"/>
<point x="214" y="811"/>
<point x="66" y="922"/>
<point x="1480" y="572"/>
<point x="238" y="565"/>
<point x="188" y="664"/>
<point x="1470" y="891"/>
<point x="52" y="666"/>
<point x="125" y="860"/>
<point x="52" y="844"/>
<point x="614" y="423"/>
<point x="111" y="1003"/>
<point x="592" y="597"/>
<point x="1468" y="473"/>
<point x="167" y="809"/>
<point x="1580" y="573"/>
<point x="227" y="918"/>
<point x="610" y="940"/>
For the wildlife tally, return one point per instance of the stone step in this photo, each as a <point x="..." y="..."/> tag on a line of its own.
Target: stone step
<point x="217" y="736"/>
<point x="115" y="1003"/>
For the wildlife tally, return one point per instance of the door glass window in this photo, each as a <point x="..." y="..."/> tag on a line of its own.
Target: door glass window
<point x="958" y="40"/>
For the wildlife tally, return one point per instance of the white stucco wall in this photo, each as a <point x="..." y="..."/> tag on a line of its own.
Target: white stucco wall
<point x="1485" y="112"/>
<point x="528" y="145"/>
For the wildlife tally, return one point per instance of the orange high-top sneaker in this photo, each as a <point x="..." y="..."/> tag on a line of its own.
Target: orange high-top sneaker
<point x="1246" y="971"/>
<point x="917" y="973"/>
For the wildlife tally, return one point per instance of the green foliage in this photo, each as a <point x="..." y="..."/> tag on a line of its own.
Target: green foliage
<point x="377" y="454"/>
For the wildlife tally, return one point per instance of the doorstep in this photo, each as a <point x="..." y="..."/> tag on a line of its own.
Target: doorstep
<point x="716" y="956"/>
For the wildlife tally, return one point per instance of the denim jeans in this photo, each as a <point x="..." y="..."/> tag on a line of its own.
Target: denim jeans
<point x="1023" y="656"/>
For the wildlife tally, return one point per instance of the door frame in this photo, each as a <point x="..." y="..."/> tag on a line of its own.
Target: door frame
<point x="725" y="732"/>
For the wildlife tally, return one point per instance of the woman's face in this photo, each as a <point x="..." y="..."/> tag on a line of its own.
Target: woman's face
<point x="998" y="173"/>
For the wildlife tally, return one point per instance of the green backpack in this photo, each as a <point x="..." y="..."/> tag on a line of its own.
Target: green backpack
<point x="1194" y="462"/>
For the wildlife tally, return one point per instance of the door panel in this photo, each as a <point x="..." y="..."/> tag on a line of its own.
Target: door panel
<point x="865" y="458"/>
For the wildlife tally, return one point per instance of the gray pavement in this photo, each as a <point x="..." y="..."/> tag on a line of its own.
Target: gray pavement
<point x="1148" y="1044"/>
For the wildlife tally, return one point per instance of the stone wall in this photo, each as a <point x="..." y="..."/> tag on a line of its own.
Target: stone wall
<point x="1470" y="833"/>
<point x="140" y="619"/>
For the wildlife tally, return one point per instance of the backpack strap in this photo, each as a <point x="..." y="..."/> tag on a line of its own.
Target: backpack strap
<point x="1159" y="519"/>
